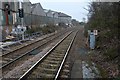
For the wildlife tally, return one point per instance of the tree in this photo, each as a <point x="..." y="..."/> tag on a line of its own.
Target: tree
<point x="104" y="16"/>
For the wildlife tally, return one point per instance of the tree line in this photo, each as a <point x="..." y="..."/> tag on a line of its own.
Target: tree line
<point x="104" y="17"/>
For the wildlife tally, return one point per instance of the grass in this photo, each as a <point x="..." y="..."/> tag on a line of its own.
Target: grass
<point x="45" y="30"/>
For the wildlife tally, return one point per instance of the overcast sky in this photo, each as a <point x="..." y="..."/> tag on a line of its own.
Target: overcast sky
<point x="74" y="8"/>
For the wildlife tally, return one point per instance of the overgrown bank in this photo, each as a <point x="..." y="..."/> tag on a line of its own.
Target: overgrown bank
<point x="105" y="18"/>
<point x="44" y="30"/>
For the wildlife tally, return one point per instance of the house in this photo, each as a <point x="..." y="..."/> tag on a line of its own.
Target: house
<point x="49" y="16"/>
<point x="38" y="14"/>
<point x="55" y="17"/>
<point x="37" y="9"/>
<point x="26" y="5"/>
<point x="52" y="16"/>
<point x="0" y="4"/>
<point x="1" y="17"/>
<point x="51" y="13"/>
<point x="48" y="13"/>
<point x="64" y="18"/>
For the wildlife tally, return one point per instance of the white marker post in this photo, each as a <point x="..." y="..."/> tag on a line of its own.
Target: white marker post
<point x="95" y="32"/>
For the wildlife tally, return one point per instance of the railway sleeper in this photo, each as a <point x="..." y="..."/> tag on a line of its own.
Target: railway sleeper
<point x="64" y="76"/>
<point x="61" y="49"/>
<point x="56" y="56"/>
<point x="50" y="66"/>
<point x="47" y="71"/>
<point x="66" y="70"/>
<point x="7" y="59"/>
<point x="3" y="62"/>
<point x="58" y="51"/>
<point x="53" y="58"/>
<point x="15" y="56"/>
<point x="42" y="71"/>
<point x="52" y="62"/>
<point x="65" y="73"/>
<point x="43" y="75"/>
<point x="66" y="66"/>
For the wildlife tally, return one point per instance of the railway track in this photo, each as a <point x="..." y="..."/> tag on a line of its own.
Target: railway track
<point x="27" y="44"/>
<point x="51" y="64"/>
<point x="19" y="47"/>
<point x="22" y="58"/>
<point x="17" y="54"/>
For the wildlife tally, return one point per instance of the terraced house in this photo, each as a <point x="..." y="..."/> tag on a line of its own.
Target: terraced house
<point x="38" y="14"/>
<point x="64" y="18"/>
<point x="34" y="16"/>
<point x="52" y="14"/>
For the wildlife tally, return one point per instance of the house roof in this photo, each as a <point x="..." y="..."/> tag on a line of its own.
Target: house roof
<point x="47" y="11"/>
<point x="25" y="1"/>
<point x="35" y="4"/>
<point x="63" y="15"/>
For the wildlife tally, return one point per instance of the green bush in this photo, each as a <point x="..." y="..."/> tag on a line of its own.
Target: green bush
<point x="111" y="53"/>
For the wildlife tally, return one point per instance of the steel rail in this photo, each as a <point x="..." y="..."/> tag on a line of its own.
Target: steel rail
<point x="26" y="45"/>
<point x="23" y="77"/>
<point x="25" y="54"/>
<point x="64" y="59"/>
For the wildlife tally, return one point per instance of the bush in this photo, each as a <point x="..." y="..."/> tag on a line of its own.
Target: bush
<point x="111" y="53"/>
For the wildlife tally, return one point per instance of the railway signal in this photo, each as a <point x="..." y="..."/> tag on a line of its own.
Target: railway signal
<point x="21" y="13"/>
<point x="7" y="12"/>
<point x="7" y="8"/>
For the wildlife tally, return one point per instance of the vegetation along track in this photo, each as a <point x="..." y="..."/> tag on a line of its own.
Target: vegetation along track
<point x="50" y="65"/>
<point x="20" y="59"/>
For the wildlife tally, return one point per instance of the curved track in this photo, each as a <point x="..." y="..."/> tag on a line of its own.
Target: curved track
<point x="22" y="58"/>
<point x="17" y="54"/>
<point x="50" y="65"/>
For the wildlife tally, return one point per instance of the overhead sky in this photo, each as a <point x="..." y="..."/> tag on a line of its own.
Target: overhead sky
<point x="74" y="8"/>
